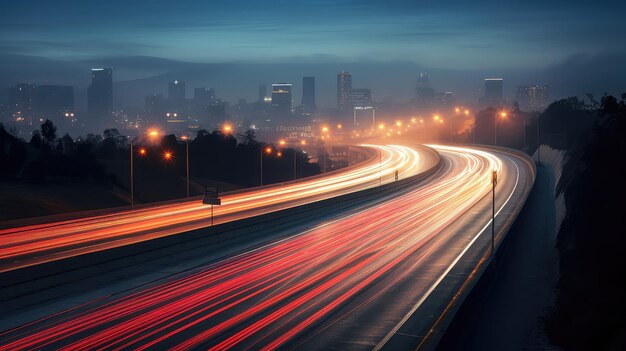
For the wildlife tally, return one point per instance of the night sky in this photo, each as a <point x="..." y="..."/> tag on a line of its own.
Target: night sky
<point x="513" y="37"/>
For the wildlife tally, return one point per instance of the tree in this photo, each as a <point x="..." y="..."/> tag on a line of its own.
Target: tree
<point x="35" y="140"/>
<point x="49" y="133"/>
<point x="249" y="138"/>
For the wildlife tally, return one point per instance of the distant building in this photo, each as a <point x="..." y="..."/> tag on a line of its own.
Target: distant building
<point x="100" y="95"/>
<point x="493" y="93"/>
<point x="308" y="94"/>
<point x="176" y="93"/>
<point x="281" y="99"/>
<point x="204" y="96"/>
<point x="533" y="97"/>
<point x="217" y="113"/>
<point x="424" y="92"/>
<point x="359" y="97"/>
<point x="21" y="102"/>
<point x="344" y="85"/>
<point x="155" y="106"/>
<point x="444" y="98"/>
<point x="360" y="101"/>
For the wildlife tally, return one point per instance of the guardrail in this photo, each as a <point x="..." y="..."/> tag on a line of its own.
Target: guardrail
<point x="36" y="284"/>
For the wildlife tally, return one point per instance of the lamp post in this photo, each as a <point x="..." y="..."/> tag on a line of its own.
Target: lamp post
<point x="495" y="127"/>
<point x="494" y="182"/>
<point x="267" y="150"/>
<point x="186" y="139"/>
<point x="151" y="134"/>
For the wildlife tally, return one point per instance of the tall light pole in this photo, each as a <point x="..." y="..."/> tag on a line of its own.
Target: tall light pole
<point x="186" y="139"/>
<point x="495" y="127"/>
<point x="132" y="173"/>
<point x="494" y="182"/>
<point x="267" y="150"/>
<point x="151" y="134"/>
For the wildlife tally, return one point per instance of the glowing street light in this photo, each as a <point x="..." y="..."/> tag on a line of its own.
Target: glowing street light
<point x="436" y="117"/>
<point x="502" y="114"/>
<point x="227" y="128"/>
<point x="282" y="142"/>
<point x="268" y="151"/>
<point x="153" y="133"/>
<point x="399" y="123"/>
<point x="167" y="155"/>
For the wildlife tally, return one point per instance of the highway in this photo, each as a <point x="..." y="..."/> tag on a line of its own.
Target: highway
<point x="30" y="245"/>
<point x="354" y="282"/>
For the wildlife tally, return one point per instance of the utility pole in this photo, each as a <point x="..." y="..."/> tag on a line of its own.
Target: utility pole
<point x="494" y="181"/>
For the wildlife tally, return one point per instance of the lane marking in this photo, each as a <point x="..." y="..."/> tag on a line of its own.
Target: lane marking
<point x="395" y="329"/>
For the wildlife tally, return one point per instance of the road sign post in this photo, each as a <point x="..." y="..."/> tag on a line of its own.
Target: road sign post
<point x="211" y="197"/>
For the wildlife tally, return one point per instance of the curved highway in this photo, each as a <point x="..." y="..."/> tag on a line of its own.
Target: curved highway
<point x="31" y="245"/>
<point x="356" y="282"/>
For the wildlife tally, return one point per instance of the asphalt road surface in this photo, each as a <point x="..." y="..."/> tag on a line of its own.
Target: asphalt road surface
<point x="352" y="283"/>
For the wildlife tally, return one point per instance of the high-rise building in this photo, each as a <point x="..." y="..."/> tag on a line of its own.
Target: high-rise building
<point x="262" y="92"/>
<point x="100" y="94"/>
<point x="281" y="99"/>
<point x="424" y="92"/>
<point x="176" y="94"/>
<point x="155" y="106"/>
<point x="308" y="94"/>
<point x="204" y="96"/>
<point x="493" y="93"/>
<point x="532" y="97"/>
<point x="344" y="84"/>
<point x="359" y="97"/>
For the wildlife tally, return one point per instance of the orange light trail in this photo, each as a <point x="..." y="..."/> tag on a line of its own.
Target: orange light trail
<point x="269" y="296"/>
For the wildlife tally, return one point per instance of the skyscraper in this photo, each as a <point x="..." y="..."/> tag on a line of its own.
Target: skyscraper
<point x="424" y="92"/>
<point x="493" y="92"/>
<point x="308" y="94"/>
<point x="281" y="99"/>
<point x="176" y="94"/>
<point x="204" y="96"/>
<point x="100" y="94"/>
<point x="359" y="98"/>
<point x="344" y="84"/>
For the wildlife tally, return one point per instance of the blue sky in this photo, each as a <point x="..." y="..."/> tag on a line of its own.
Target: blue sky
<point x="445" y="34"/>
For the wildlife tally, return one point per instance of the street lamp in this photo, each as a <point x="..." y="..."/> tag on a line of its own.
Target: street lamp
<point x="186" y="139"/>
<point x="494" y="182"/>
<point x="267" y="150"/>
<point x="495" y="127"/>
<point x="152" y="134"/>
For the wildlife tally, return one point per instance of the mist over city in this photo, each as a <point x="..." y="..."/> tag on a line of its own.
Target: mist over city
<point x="312" y="175"/>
